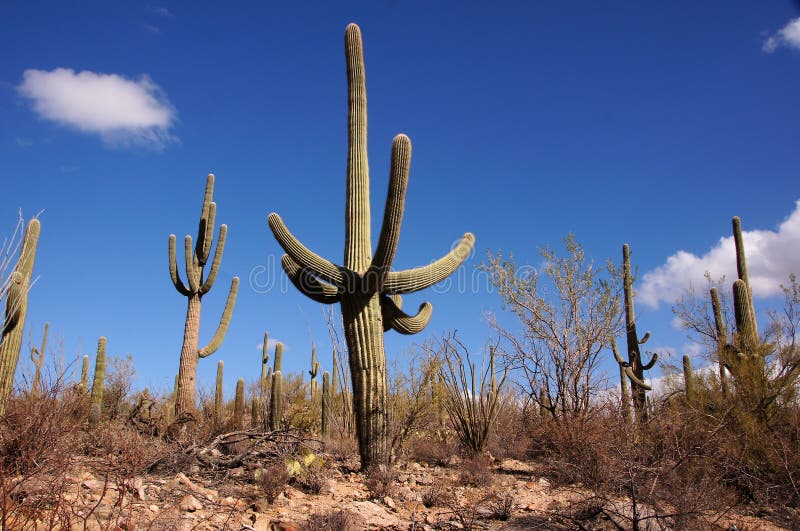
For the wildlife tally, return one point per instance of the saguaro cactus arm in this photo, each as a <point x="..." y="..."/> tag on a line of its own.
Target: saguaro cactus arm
<point x="419" y="278"/>
<point x="651" y="363"/>
<point x="635" y="380"/>
<point x="307" y="284"/>
<point x="394" y="318"/>
<point x="302" y="255"/>
<point x="393" y="211"/>
<point x="212" y="275"/>
<point x="224" y="322"/>
<point x="173" y="269"/>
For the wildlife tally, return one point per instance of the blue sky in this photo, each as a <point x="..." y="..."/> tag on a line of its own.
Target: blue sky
<point x="621" y="122"/>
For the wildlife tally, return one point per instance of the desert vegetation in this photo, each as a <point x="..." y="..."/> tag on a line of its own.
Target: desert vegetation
<point x="523" y="433"/>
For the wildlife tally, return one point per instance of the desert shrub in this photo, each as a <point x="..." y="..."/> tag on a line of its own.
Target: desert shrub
<point x="380" y="480"/>
<point x="120" y="372"/>
<point x="510" y="438"/>
<point x="501" y="504"/>
<point x="272" y="480"/>
<point x="311" y="474"/>
<point x="39" y="439"/>
<point x="410" y="404"/>
<point x="335" y="520"/>
<point x="435" y="495"/>
<point x="343" y="449"/>
<point x="474" y="471"/>
<point x="431" y="450"/>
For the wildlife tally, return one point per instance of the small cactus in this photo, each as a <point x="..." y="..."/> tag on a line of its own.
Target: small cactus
<point x="313" y="372"/>
<point x="84" y="385"/>
<point x="16" y="310"/>
<point x="97" y="384"/>
<point x="276" y="400"/>
<point x="218" y="395"/>
<point x="326" y="404"/>
<point x="263" y="383"/>
<point x="37" y="357"/>
<point x="688" y="379"/>
<point x="238" y="405"/>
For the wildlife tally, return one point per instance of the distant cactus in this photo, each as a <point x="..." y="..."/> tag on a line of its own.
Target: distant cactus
<point x="634" y="367"/>
<point x="276" y="401"/>
<point x="722" y="338"/>
<point x="238" y="405"/>
<point x="688" y="379"/>
<point x="745" y="358"/>
<point x="85" y="373"/>
<point x="96" y="407"/>
<point x="19" y="282"/>
<point x="263" y="383"/>
<point x="313" y="372"/>
<point x="254" y="407"/>
<point x="326" y="405"/>
<point x="37" y="357"/>
<point x="218" y="394"/>
<point x="277" y="363"/>
<point x="199" y="285"/>
<point x="365" y="286"/>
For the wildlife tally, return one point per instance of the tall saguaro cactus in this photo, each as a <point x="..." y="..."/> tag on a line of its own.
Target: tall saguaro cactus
<point x="264" y="383"/>
<point x="96" y="407"/>
<point x="85" y="373"/>
<point x="634" y="366"/>
<point x="199" y="285"/>
<point x="365" y="287"/>
<point x="238" y="405"/>
<point x="16" y="310"/>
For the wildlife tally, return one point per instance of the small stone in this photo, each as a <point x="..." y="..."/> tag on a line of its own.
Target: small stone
<point x="430" y="519"/>
<point x="190" y="504"/>
<point x="389" y="502"/>
<point x="284" y="525"/>
<point x="154" y="508"/>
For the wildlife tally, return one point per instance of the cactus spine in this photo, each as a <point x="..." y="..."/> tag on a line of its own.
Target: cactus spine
<point x="97" y="384"/>
<point x="634" y="367"/>
<point x="37" y="357"/>
<point x="326" y="405"/>
<point x="85" y="373"/>
<point x="313" y="372"/>
<point x="199" y="285"/>
<point x="238" y="405"/>
<point x="688" y="379"/>
<point x="19" y="283"/>
<point x="369" y="293"/>
<point x="218" y="395"/>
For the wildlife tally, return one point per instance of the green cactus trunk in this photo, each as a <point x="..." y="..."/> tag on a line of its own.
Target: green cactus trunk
<point x="199" y="285"/>
<point x="367" y="290"/>
<point x="16" y="310"/>
<point x="625" y="396"/>
<point x="313" y="372"/>
<point x="238" y="405"/>
<point x="96" y="407"/>
<point x="85" y="374"/>
<point x="326" y="405"/>
<point x="254" y="406"/>
<point x="37" y="357"/>
<point x="688" y="379"/>
<point x="722" y="339"/>
<point x="218" y="394"/>
<point x="276" y="401"/>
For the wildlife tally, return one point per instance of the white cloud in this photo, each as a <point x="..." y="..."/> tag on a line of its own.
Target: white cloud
<point x="788" y="36"/>
<point x="120" y="110"/>
<point x="270" y="345"/>
<point x="771" y="256"/>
